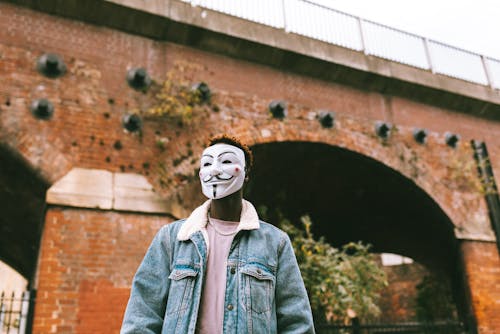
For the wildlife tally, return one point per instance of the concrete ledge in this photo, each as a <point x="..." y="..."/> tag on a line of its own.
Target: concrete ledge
<point x="87" y="188"/>
<point x="133" y="192"/>
<point x="478" y="228"/>
<point x="484" y="237"/>
<point x="157" y="7"/>
<point x="101" y="189"/>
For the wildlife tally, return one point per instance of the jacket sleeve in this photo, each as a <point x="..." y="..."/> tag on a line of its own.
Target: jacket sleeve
<point x="293" y="310"/>
<point x="148" y="296"/>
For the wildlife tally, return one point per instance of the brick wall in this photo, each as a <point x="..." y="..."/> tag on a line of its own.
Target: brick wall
<point x="398" y="300"/>
<point x="86" y="131"/>
<point x="482" y="266"/>
<point x="87" y="261"/>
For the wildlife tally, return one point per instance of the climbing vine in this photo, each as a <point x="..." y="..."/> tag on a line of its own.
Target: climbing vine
<point x="176" y="97"/>
<point x="463" y="172"/>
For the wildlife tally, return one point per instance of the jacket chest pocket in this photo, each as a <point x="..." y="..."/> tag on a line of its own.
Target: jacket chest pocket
<point x="259" y="287"/>
<point x="182" y="280"/>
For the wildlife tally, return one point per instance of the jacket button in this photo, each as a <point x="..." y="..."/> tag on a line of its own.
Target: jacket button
<point x="230" y="307"/>
<point x="233" y="271"/>
<point x="259" y="271"/>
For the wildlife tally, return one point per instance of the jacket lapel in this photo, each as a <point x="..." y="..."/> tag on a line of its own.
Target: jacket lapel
<point x="198" y="220"/>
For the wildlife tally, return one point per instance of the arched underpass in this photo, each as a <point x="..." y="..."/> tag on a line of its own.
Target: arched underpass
<point x="22" y="202"/>
<point x="351" y="197"/>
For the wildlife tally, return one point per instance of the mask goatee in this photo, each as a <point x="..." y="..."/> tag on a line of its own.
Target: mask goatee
<point x="215" y="191"/>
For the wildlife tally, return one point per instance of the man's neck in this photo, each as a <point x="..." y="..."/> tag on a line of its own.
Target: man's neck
<point x="227" y="208"/>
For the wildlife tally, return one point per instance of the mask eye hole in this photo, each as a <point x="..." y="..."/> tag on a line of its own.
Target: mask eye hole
<point x="206" y="164"/>
<point x="226" y="161"/>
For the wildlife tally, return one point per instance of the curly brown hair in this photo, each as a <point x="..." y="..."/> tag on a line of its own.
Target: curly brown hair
<point x="230" y="140"/>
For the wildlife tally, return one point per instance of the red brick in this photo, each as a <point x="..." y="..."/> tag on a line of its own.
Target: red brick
<point x="86" y="254"/>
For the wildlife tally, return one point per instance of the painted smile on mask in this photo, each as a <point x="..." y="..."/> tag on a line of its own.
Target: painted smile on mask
<point x="209" y="178"/>
<point x="222" y="170"/>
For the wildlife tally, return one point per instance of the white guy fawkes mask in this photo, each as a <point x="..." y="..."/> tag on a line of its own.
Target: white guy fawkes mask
<point x="222" y="170"/>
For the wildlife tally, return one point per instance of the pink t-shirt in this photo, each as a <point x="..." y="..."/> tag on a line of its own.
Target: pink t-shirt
<point x="211" y="314"/>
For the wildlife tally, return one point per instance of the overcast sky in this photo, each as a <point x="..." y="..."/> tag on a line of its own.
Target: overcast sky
<point x="471" y="25"/>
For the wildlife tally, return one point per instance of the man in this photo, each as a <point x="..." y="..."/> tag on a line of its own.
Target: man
<point x="221" y="270"/>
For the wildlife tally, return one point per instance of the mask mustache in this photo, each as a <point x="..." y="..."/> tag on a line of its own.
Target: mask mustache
<point x="209" y="178"/>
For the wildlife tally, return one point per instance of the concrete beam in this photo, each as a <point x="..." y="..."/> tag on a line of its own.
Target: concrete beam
<point x="133" y="192"/>
<point x="86" y="188"/>
<point x="484" y="236"/>
<point x="104" y="190"/>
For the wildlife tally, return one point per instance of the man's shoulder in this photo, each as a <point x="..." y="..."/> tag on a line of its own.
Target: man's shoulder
<point x="268" y="237"/>
<point x="268" y="227"/>
<point x="172" y="228"/>
<point x="177" y="223"/>
<point x="272" y="231"/>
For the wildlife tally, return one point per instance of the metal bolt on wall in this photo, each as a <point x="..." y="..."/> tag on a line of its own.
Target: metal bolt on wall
<point x="203" y="91"/>
<point x="138" y="78"/>
<point x="451" y="139"/>
<point x="383" y="129"/>
<point x="51" y="65"/>
<point x="278" y="109"/>
<point x="420" y="135"/>
<point x="132" y="122"/>
<point x="42" y="109"/>
<point x="326" y="119"/>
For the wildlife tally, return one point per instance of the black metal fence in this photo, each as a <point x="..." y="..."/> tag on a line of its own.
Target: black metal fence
<point x="438" y="327"/>
<point x="15" y="312"/>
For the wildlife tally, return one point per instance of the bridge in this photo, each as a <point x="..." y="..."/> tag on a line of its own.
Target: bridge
<point x="392" y="146"/>
<point x="307" y="18"/>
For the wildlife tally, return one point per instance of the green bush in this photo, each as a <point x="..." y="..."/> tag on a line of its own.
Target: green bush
<point x="341" y="283"/>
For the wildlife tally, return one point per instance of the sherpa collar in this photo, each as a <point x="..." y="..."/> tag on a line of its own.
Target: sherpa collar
<point x="198" y="219"/>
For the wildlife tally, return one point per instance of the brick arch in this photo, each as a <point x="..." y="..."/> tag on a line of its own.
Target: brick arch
<point x="359" y="139"/>
<point x="433" y="243"/>
<point x="462" y="204"/>
<point x="446" y="175"/>
<point x="347" y="194"/>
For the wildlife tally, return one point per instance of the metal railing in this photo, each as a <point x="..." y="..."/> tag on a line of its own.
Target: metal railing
<point x="439" y="327"/>
<point x="14" y="312"/>
<point x="316" y="21"/>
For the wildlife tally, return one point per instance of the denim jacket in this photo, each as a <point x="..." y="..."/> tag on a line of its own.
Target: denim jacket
<point x="264" y="289"/>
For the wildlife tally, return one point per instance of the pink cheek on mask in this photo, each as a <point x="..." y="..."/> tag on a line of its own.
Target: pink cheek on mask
<point x="237" y="170"/>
